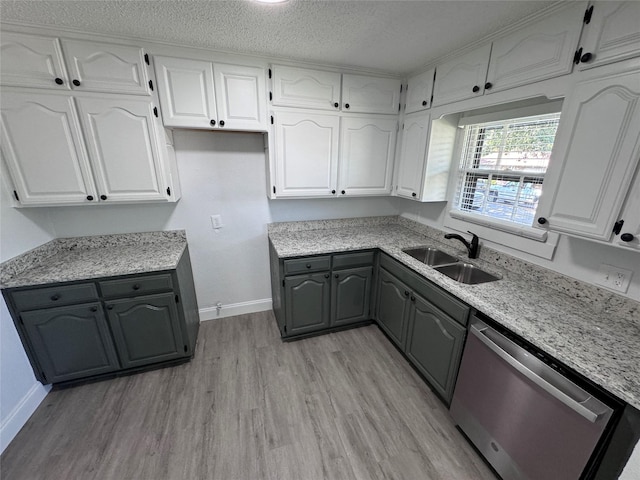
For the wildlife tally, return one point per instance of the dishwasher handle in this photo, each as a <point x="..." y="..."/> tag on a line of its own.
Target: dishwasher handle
<point x="477" y="330"/>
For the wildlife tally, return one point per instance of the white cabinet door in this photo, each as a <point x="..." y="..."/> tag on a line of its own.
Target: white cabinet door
<point x="629" y="236"/>
<point x="32" y="61"/>
<point x="186" y="92"/>
<point x="123" y="149"/>
<point x="410" y="168"/>
<point x="461" y="78"/>
<point x="303" y="87"/>
<point x="612" y="34"/>
<point x="537" y="52"/>
<point x="419" y="89"/>
<point x="365" y="94"/>
<point x="596" y="151"/>
<point x="367" y="146"/>
<point x="240" y="97"/>
<point x="306" y="154"/>
<point x="43" y="147"/>
<point x="106" y="67"/>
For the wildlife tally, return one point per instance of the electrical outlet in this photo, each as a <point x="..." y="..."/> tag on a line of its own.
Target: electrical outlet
<point x="216" y="221"/>
<point x="615" y="278"/>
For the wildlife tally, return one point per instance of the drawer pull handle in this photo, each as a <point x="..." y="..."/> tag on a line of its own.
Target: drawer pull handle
<point x="94" y="309"/>
<point x="109" y="307"/>
<point x="55" y="298"/>
<point x="136" y="287"/>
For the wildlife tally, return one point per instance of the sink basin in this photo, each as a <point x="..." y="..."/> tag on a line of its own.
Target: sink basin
<point x="466" y="273"/>
<point x="430" y="256"/>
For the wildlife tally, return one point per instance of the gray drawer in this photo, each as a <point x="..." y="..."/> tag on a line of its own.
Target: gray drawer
<point x="310" y="264"/>
<point x="54" y="296"/>
<point x="126" y="287"/>
<point x="346" y="260"/>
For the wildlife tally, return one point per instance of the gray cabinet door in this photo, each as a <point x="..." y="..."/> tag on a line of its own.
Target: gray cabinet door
<point x="392" y="306"/>
<point x="71" y="342"/>
<point x="351" y="295"/>
<point x="307" y="302"/>
<point x="146" y="329"/>
<point x="434" y="345"/>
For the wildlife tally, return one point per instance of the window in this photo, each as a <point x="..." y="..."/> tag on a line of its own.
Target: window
<point x="502" y="167"/>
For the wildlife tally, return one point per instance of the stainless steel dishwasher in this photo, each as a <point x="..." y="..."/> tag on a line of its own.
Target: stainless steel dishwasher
<point x="529" y="420"/>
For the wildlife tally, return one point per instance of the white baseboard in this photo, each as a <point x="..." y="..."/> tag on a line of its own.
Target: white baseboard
<point x="212" y="313"/>
<point x="21" y="412"/>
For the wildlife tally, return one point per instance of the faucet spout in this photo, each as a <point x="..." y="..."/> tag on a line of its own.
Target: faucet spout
<point x="472" y="247"/>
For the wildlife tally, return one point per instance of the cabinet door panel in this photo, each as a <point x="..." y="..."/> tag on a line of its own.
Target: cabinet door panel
<point x="240" y="97"/>
<point x="71" y="342"/>
<point x="364" y="94"/>
<point x="410" y="168"/>
<point x="303" y="87"/>
<point x="366" y="155"/>
<point x="351" y="295"/>
<point x="631" y="216"/>
<point x="612" y="34"/>
<point x="37" y="127"/>
<point x="306" y="153"/>
<point x="392" y="307"/>
<point x="186" y="92"/>
<point x="537" y="52"/>
<point x="146" y="329"/>
<point x="32" y="61"/>
<point x="456" y="79"/>
<point x="600" y="121"/>
<point x="106" y="67"/>
<point x="123" y="148"/>
<point x="307" y="302"/>
<point x="434" y="344"/>
<point x="419" y="89"/>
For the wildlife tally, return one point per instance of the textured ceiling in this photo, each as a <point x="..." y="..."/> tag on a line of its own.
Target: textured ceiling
<point x="393" y="36"/>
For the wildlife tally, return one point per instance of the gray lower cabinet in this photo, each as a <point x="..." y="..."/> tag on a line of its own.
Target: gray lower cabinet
<point x="307" y="302"/>
<point x="351" y="295"/>
<point x="392" y="307"/>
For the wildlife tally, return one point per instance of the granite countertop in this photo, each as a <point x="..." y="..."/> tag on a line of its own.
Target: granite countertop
<point x="84" y="258"/>
<point x="595" y="332"/>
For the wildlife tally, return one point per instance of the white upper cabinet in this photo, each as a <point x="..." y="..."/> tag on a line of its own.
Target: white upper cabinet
<point x="306" y="154"/>
<point x="365" y="94"/>
<point x="461" y="78"/>
<point x="419" y="90"/>
<point x="409" y="168"/>
<point x="612" y="33"/>
<point x="306" y="88"/>
<point x="629" y="235"/>
<point x="35" y="61"/>
<point x="595" y="155"/>
<point x="104" y="67"/>
<point x="32" y="61"/>
<point x="367" y="147"/>
<point x="200" y="94"/>
<point x="43" y="148"/>
<point x="124" y="154"/>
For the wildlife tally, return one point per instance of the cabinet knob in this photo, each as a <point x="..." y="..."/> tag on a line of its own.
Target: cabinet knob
<point x="337" y="276"/>
<point x="308" y="265"/>
<point x="222" y="123"/>
<point x="488" y="85"/>
<point x="212" y="122"/>
<point x="136" y="287"/>
<point x="346" y="105"/>
<point x="406" y="293"/>
<point x="475" y="89"/>
<point x="59" y="81"/>
<point x="343" y="192"/>
<point x="55" y="298"/>
<point x="326" y="275"/>
<point x="414" y="194"/>
<point x="109" y="307"/>
<point x="627" y="237"/>
<point x="424" y="103"/>
<point x="413" y="299"/>
<point x="76" y="83"/>
<point x="542" y="220"/>
<point x="336" y="104"/>
<point x="94" y="309"/>
<point x="586" y="57"/>
<point x="103" y="197"/>
<point x="333" y="191"/>
<point x="89" y="197"/>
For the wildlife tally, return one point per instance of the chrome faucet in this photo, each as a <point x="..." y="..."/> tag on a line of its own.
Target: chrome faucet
<point x="472" y="246"/>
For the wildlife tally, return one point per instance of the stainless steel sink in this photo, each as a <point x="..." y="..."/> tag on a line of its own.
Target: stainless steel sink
<point x="430" y="256"/>
<point x="466" y="273"/>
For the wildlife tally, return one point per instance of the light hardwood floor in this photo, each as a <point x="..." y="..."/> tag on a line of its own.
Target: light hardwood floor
<point x="249" y="407"/>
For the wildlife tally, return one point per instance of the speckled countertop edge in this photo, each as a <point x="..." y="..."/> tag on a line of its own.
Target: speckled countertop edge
<point x="595" y="332"/>
<point x="83" y="258"/>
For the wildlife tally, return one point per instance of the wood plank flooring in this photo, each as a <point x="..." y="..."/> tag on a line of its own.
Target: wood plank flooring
<point x="250" y="407"/>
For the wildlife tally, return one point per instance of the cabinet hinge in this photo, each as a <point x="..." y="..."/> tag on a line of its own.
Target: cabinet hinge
<point x="271" y="119"/>
<point x="283" y="283"/>
<point x="270" y="96"/>
<point x="269" y="73"/>
<point x="44" y="377"/>
<point x="146" y="59"/>
<point x="177" y="299"/>
<point x="399" y="107"/>
<point x="169" y="191"/>
<point x="401" y="88"/>
<point x="274" y="189"/>
<point x="587" y="15"/>
<point x="617" y="227"/>
<point x="285" y="329"/>
<point x="15" y="194"/>
<point x="431" y="98"/>
<point x="155" y="111"/>
<point x="21" y="321"/>
<point x="151" y="85"/>
<point x="577" y="55"/>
